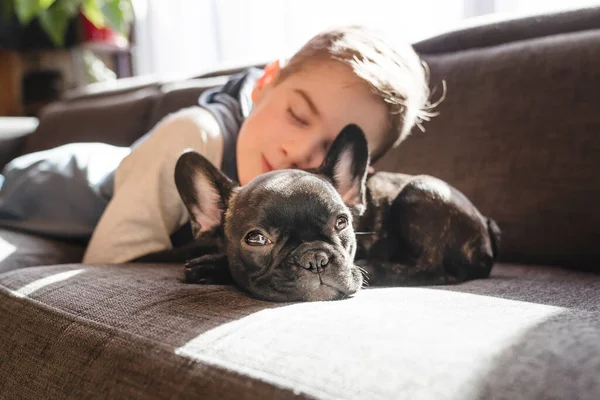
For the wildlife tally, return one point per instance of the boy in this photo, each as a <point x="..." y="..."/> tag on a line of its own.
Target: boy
<point x="283" y="117"/>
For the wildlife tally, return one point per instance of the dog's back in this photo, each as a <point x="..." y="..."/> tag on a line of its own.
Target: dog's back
<point x="424" y="223"/>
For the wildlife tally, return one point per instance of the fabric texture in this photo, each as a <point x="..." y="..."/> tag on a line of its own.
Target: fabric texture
<point x="137" y="331"/>
<point x="519" y="135"/>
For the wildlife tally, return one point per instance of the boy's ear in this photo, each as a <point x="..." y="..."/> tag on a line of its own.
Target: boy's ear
<point x="346" y="165"/>
<point x="204" y="189"/>
<point x="271" y="72"/>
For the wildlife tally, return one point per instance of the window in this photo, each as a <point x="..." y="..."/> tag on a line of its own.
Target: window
<point x="185" y="37"/>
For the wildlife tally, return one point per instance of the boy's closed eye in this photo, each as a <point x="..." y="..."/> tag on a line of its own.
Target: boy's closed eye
<point x="302" y="109"/>
<point x="297" y="117"/>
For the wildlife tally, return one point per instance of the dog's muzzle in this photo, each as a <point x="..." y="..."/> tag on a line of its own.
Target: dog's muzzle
<point x="313" y="260"/>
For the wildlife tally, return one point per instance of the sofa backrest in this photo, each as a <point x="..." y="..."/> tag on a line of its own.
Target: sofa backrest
<point x="119" y="115"/>
<point x="177" y="95"/>
<point x="117" y="119"/>
<point x="519" y="135"/>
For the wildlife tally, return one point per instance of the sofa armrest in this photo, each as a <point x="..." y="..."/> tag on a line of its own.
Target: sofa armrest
<point x="13" y="132"/>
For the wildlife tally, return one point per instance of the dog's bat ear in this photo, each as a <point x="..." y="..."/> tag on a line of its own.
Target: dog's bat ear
<point x="204" y="189"/>
<point x="346" y="165"/>
<point x="495" y="236"/>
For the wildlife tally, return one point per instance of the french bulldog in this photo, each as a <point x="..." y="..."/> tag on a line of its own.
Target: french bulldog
<point x="288" y="234"/>
<point x="322" y="234"/>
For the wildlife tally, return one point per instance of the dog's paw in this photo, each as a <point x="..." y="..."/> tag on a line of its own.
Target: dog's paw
<point x="196" y="274"/>
<point x="211" y="269"/>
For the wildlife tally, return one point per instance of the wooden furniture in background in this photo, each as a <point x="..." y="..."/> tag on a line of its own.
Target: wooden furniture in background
<point x="11" y="72"/>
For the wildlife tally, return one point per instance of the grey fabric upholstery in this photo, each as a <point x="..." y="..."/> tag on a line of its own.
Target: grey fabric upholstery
<point x="499" y="30"/>
<point x="119" y="120"/>
<point x="135" y="331"/>
<point x="176" y="96"/>
<point x="518" y="134"/>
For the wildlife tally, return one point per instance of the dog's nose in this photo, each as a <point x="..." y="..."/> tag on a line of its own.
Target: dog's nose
<point x="314" y="259"/>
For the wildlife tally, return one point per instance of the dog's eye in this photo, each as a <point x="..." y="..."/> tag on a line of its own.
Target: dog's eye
<point x="256" y="238"/>
<point x="341" y="223"/>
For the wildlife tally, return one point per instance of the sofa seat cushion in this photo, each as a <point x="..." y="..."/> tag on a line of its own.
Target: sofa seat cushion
<point x="20" y="250"/>
<point x="136" y="331"/>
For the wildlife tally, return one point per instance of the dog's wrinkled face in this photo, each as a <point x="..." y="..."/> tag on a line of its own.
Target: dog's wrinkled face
<point x="288" y="233"/>
<point x="290" y="237"/>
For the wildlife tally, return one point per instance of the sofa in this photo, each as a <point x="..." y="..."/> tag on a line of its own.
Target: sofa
<point x="518" y="133"/>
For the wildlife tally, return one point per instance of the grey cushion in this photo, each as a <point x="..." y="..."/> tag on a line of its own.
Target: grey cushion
<point x="519" y="135"/>
<point x="136" y="331"/>
<point x="61" y="192"/>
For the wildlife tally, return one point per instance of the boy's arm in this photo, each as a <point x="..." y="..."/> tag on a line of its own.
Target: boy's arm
<point x="146" y="208"/>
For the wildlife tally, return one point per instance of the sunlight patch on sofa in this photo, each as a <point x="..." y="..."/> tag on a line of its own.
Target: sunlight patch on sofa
<point x="420" y="334"/>
<point x="43" y="282"/>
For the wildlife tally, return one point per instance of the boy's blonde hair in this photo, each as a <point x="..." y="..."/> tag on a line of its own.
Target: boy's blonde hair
<point x="395" y="74"/>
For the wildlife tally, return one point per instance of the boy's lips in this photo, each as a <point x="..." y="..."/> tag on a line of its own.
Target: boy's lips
<point x="266" y="166"/>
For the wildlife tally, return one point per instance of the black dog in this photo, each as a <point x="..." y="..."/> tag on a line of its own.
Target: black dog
<point x="280" y="232"/>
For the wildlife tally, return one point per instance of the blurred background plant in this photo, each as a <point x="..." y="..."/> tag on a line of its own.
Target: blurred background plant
<point x="54" y="15"/>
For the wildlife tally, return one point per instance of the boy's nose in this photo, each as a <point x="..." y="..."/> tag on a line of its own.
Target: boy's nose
<point x="303" y="155"/>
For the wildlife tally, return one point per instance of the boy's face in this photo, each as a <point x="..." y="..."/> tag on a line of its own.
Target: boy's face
<point x="294" y="121"/>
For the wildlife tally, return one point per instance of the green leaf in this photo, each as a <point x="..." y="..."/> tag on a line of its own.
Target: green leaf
<point x="118" y="14"/>
<point x="91" y="10"/>
<point x="27" y="10"/>
<point x="55" y="21"/>
<point x="70" y="6"/>
<point x="44" y="4"/>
